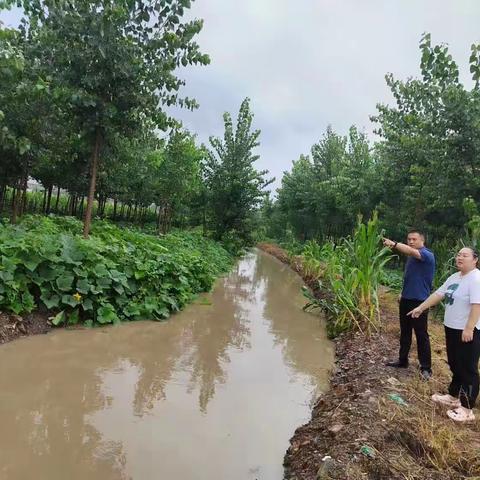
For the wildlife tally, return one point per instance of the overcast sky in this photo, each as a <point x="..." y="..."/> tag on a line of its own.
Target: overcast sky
<point x="306" y="64"/>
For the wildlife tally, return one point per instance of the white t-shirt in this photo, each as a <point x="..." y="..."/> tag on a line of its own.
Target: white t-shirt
<point x="459" y="292"/>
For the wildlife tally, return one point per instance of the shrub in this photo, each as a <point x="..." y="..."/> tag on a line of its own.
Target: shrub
<point x="116" y="274"/>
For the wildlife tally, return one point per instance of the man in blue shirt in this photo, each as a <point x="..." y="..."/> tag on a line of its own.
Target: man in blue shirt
<point x="417" y="286"/>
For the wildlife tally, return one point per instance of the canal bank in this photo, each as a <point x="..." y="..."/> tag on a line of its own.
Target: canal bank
<point x="376" y="422"/>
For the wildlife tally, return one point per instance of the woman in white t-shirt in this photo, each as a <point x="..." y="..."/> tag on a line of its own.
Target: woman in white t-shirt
<point x="461" y="295"/>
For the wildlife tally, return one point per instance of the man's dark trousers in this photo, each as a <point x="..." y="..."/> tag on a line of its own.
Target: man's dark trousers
<point x="407" y="324"/>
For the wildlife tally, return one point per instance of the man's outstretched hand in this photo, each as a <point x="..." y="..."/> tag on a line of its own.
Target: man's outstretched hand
<point x="388" y="243"/>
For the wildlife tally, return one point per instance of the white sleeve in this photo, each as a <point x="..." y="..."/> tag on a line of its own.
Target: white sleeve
<point x="474" y="290"/>
<point x="443" y="289"/>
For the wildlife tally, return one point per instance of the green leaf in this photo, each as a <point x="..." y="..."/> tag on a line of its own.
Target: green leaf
<point x="106" y="314"/>
<point x="139" y="274"/>
<point x="80" y="272"/>
<point x="87" y="304"/>
<point x="50" y="302"/>
<point x="100" y="270"/>
<point x="104" y="282"/>
<point x="69" y="300"/>
<point x="132" y="310"/>
<point x="73" y="318"/>
<point x="6" y="276"/>
<point x="83" y="286"/>
<point x="64" y="282"/>
<point x="32" y="262"/>
<point x="47" y="273"/>
<point x="58" y="318"/>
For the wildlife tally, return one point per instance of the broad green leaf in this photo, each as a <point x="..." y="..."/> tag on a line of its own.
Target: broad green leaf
<point x="73" y="317"/>
<point x="65" y="281"/>
<point x="83" y="286"/>
<point x="31" y="262"/>
<point x="51" y="301"/>
<point x="87" y="304"/>
<point x="106" y="314"/>
<point x="58" y="318"/>
<point x="69" y="300"/>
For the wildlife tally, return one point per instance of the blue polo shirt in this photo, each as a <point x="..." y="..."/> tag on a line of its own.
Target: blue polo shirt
<point x="418" y="277"/>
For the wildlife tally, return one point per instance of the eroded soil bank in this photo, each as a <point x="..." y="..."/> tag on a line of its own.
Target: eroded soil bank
<point x="16" y="326"/>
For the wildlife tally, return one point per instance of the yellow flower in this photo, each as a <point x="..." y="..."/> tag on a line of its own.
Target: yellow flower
<point x="77" y="296"/>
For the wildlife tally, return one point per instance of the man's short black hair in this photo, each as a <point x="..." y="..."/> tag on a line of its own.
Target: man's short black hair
<point x="416" y="230"/>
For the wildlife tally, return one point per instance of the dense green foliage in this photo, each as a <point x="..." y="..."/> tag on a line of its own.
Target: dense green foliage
<point x="317" y="196"/>
<point x="349" y="273"/>
<point x="84" y="90"/>
<point x="116" y="274"/>
<point x="234" y="188"/>
<point x="418" y="174"/>
<point x="84" y="94"/>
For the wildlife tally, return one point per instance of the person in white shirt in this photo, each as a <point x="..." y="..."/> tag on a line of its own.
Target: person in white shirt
<point x="461" y="295"/>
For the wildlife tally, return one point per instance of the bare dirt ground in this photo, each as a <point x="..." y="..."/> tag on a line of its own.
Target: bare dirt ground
<point x="16" y="326"/>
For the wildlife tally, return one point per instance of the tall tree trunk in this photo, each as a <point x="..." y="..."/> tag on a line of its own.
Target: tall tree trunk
<point x="3" y="192"/>
<point x="167" y="209"/>
<point x="57" y="199"/>
<point x="49" y="199"/>
<point x="104" y="205"/>
<point x="23" y="204"/>
<point x="204" y="215"/>
<point x="93" y="181"/>
<point x="114" y="209"/>
<point x="159" y="220"/>
<point x="82" y="206"/>
<point x="16" y="198"/>
<point x="44" y="202"/>
<point x="72" y="204"/>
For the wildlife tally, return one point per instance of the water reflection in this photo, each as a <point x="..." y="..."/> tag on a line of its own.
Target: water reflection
<point x="305" y="347"/>
<point x="43" y="418"/>
<point x="151" y="400"/>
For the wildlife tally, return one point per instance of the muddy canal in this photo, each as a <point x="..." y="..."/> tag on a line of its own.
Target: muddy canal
<point x="214" y="393"/>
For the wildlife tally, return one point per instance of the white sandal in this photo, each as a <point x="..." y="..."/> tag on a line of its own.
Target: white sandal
<point x="461" y="414"/>
<point x="446" y="399"/>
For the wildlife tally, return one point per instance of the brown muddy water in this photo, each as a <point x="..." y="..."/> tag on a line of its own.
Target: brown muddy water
<point x="214" y="393"/>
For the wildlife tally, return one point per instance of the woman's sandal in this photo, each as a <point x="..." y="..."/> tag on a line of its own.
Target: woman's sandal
<point x="446" y="399"/>
<point x="461" y="414"/>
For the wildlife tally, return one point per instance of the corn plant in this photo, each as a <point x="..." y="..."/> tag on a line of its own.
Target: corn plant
<point x="352" y="272"/>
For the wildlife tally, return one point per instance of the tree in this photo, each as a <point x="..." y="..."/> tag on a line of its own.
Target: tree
<point x="429" y="153"/>
<point x="296" y="198"/>
<point x="234" y="187"/>
<point x="112" y="64"/>
<point x="323" y="196"/>
<point x="26" y="114"/>
<point x="176" y="177"/>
